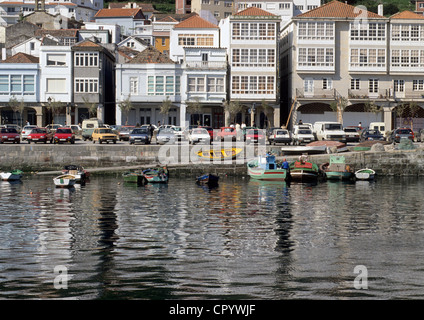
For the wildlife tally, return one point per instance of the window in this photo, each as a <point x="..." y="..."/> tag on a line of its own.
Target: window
<point x="86" y="59"/>
<point x="16" y="83"/>
<point x="316" y="57"/>
<point x="216" y="84"/>
<point x="253" y="57"/>
<point x="4" y="84"/>
<point x="407" y="32"/>
<point x="308" y="86"/>
<point x="163" y="85"/>
<point x="367" y="31"/>
<point x="196" y="84"/>
<point x="203" y="40"/>
<point x="399" y="85"/>
<point x="29" y="84"/>
<point x="56" y="59"/>
<point x="253" y="31"/>
<point x="327" y="83"/>
<point x="134" y="85"/>
<point x="86" y="85"/>
<point x="354" y="84"/>
<point x="367" y="57"/>
<point x="373" y="85"/>
<point x="418" y="85"/>
<point x="56" y="85"/>
<point x="253" y="85"/>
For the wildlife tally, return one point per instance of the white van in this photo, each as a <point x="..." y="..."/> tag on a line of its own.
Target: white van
<point x="380" y="126"/>
<point x="88" y="126"/>
<point x="302" y="134"/>
<point x="327" y="130"/>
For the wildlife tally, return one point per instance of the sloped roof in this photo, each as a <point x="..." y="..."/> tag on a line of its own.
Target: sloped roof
<point x="336" y="9"/>
<point x="59" y="33"/>
<point x="117" y="12"/>
<point x="195" y="22"/>
<point x="86" y="43"/>
<point x="407" y="15"/>
<point x="176" y="16"/>
<point x="145" y="7"/>
<point x="21" y="57"/>
<point x="151" y="55"/>
<point x="253" y="11"/>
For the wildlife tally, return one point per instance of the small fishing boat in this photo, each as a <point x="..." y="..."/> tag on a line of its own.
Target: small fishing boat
<point x="157" y="175"/>
<point x="265" y="168"/>
<point x="209" y="179"/>
<point x="365" y="174"/>
<point x="303" y="170"/>
<point x="220" y="154"/>
<point x="337" y="169"/>
<point x="80" y="174"/>
<point x="64" y="181"/>
<point x="134" y="177"/>
<point x="11" y="175"/>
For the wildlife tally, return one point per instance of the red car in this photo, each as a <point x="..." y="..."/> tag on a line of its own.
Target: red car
<point x="64" y="134"/>
<point x="227" y="133"/>
<point x="9" y="135"/>
<point x="40" y="135"/>
<point x="255" y="136"/>
<point x="209" y="130"/>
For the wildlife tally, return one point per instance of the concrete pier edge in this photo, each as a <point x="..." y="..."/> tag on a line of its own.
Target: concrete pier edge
<point x="114" y="159"/>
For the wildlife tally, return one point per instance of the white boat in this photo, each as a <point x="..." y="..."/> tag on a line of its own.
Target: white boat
<point x="64" y="181"/>
<point x="365" y="174"/>
<point x="11" y="175"/>
<point x="78" y="172"/>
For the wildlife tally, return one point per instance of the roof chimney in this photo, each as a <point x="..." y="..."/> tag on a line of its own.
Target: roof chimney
<point x="380" y="9"/>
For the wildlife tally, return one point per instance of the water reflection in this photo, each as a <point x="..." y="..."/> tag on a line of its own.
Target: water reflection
<point x="241" y="239"/>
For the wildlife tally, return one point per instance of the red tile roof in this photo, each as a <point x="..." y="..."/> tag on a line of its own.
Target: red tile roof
<point x="253" y="11"/>
<point x="117" y="12"/>
<point x="87" y="43"/>
<point x="336" y="9"/>
<point x="151" y="55"/>
<point x="196" y="22"/>
<point x="407" y="15"/>
<point x="21" y="57"/>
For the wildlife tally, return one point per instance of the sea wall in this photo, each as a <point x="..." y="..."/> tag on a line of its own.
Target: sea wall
<point x="38" y="158"/>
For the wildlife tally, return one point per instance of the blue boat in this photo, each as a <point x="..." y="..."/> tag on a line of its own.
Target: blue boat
<point x="208" y="178"/>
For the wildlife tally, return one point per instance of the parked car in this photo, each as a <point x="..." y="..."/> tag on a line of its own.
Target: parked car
<point x="199" y="135"/>
<point x="244" y="131"/>
<point x="26" y="131"/>
<point x="302" y="134"/>
<point x="227" y="133"/>
<point x="352" y="134"/>
<point x="88" y="126"/>
<point x="64" y="134"/>
<point x="53" y="127"/>
<point x="124" y="132"/>
<point x="140" y="135"/>
<point x="210" y="131"/>
<point x="9" y="135"/>
<point x="40" y="135"/>
<point x="281" y="136"/>
<point x="255" y="136"/>
<point x="401" y="133"/>
<point x="165" y="135"/>
<point x="179" y="132"/>
<point x="11" y="125"/>
<point x="104" y="135"/>
<point x="270" y="133"/>
<point x="371" y="134"/>
<point x="76" y="128"/>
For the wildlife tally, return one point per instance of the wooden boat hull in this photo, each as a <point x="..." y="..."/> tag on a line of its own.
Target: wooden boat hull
<point x="11" y="176"/>
<point x="269" y="175"/>
<point x="134" y="177"/>
<point x="208" y="179"/>
<point x="336" y="175"/>
<point x="64" y="181"/>
<point x="222" y="154"/>
<point x="304" y="171"/>
<point x="156" y="176"/>
<point x="365" y="174"/>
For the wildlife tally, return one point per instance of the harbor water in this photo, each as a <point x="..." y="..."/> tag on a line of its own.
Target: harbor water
<point x="241" y="240"/>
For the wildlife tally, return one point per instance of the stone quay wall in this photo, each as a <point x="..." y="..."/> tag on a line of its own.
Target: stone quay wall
<point x="115" y="158"/>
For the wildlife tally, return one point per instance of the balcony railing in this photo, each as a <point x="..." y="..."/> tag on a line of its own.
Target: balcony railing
<point x="206" y="64"/>
<point x="318" y="94"/>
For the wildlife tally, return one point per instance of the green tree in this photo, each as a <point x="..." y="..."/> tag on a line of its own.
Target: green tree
<point x="165" y="107"/>
<point x="232" y="108"/>
<point x="125" y="106"/>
